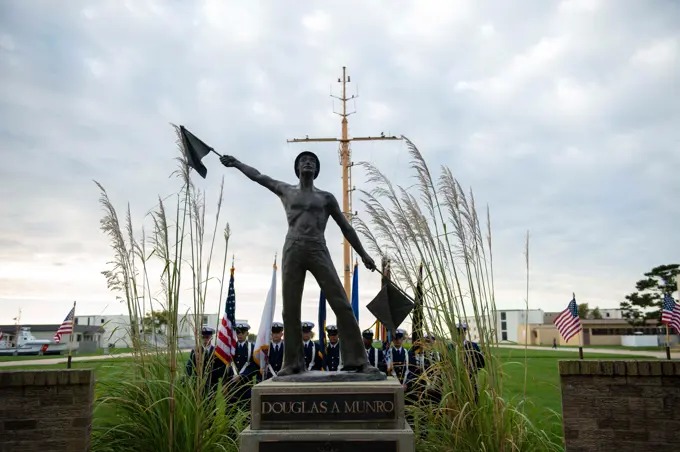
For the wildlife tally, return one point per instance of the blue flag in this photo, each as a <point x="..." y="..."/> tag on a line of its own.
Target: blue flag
<point x="322" y="328"/>
<point x="355" y="291"/>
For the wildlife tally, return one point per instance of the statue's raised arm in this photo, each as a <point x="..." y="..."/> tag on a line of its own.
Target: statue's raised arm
<point x="272" y="184"/>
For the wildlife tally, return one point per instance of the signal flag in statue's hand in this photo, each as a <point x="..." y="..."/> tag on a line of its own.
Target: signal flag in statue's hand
<point x="391" y="306"/>
<point x="195" y="150"/>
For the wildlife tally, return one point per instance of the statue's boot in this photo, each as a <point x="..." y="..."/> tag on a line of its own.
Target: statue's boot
<point x="362" y="369"/>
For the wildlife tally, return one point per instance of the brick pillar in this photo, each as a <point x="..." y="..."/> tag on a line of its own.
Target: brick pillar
<point x="43" y="410"/>
<point x="620" y="405"/>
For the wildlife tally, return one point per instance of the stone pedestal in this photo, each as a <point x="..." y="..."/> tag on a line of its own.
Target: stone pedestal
<point x="327" y="417"/>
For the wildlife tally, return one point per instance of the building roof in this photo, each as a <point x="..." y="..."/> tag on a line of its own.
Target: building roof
<point x="52" y="328"/>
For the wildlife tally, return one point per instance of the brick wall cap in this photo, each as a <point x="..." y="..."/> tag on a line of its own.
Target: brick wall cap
<point x="48" y="377"/>
<point x="669" y="368"/>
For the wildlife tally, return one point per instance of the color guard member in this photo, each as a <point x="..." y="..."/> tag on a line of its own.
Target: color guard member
<point x="333" y="357"/>
<point x="243" y="368"/>
<point x="313" y="356"/>
<point x="375" y="356"/>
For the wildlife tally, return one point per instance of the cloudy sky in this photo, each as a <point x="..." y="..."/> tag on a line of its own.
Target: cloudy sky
<point x="562" y="115"/>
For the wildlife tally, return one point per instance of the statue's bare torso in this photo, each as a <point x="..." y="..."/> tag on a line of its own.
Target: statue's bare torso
<point x="307" y="211"/>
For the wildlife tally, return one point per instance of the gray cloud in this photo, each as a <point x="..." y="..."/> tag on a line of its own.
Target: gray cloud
<point x="561" y="115"/>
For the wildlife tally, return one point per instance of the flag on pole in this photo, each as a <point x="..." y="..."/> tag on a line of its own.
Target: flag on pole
<point x="66" y="326"/>
<point x="355" y="291"/>
<point x="418" y="333"/>
<point x="322" y="328"/>
<point x="670" y="315"/>
<point x="264" y="335"/>
<point x="194" y="150"/>
<point x="568" y="322"/>
<point x="225" y="348"/>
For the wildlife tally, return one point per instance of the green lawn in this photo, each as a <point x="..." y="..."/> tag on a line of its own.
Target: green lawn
<point x="543" y="381"/>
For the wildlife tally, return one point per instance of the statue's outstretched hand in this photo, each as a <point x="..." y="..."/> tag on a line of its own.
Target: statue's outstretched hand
<point x="368" y="262"/>
<point x="228" y="160"/>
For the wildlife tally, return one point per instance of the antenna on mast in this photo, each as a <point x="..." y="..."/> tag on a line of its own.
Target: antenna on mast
<point x="345" y="154"/>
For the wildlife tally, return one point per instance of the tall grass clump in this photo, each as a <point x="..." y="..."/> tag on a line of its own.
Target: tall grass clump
<point x="435" y="223"/>
<point x="156" y="406"/>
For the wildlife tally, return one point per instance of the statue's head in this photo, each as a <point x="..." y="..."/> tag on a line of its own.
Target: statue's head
<point x="307" y="162"/>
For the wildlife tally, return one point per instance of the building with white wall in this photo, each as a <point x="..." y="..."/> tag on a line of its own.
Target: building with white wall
<point x="117" y="328"/>
<point x="506" y="324"/>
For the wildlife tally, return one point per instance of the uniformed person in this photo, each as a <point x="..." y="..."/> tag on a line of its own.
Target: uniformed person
<point x="473" y="357"/>
<point x="213" y="368"/>
<point x="275" y="351"/>
<point x="427" y="358"/>
<point x="243" y="368"/>
<point x="333" y="358"/>
<point x="313" y="355"/>
<point x="400" y="361"/>
<point x="375" y="356"/>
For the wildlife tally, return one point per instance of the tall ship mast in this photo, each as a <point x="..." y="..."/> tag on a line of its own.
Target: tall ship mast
<point x="345" y="154"/>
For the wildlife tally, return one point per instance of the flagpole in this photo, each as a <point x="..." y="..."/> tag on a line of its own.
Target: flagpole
<point x="668" y="344"/>
<point x="70" y="339"/>
<point x="580" y="336"/>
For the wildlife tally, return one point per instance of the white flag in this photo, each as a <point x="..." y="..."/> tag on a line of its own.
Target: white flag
<point x="265" y="333"/>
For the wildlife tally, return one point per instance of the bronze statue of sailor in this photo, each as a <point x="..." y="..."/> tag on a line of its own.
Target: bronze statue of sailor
<point x="308" y="210"/>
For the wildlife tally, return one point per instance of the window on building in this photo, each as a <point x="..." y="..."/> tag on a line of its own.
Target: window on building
<point x="76" y="321"/>
<point x="503" y="316"/>
<point x="205" y="320"/>
<point x="102" y="321"/>
<point x="504" y="336"/>
<point x="79" y="337"/>
<point x="504" y="326"/>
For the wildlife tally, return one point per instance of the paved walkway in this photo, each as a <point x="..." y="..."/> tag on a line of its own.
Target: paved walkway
<point x="60" y="360"/>
<point x="606" y="351"/>
<point x="64" y="359"/>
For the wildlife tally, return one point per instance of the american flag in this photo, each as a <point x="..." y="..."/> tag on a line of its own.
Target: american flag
<point x="568" y="323"/>
<point x="225" y="348"/>
<point x="66" y="326"/>
<point x="671" y="312"/>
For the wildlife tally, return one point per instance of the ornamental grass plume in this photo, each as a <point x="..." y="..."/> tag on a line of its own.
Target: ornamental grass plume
<point x="156" y="406"/>
<point x="436" y="224"/>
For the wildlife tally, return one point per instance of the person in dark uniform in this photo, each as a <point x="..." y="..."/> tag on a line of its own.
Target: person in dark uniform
<point x="275" y="351"/>
<point x="243" y="368"/>
<point x="400" y="361"/>
<point x="333" y="358"/>
<point x="473" y="357"/>
<point x="313" y="356"/>
<point x="376" y="357"/>
<point x="213" y="368"/>
<point x="427" y="359"/>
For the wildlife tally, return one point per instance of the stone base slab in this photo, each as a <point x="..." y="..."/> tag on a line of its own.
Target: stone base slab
<point x="369" y="405"/>
<point x="327" y="440"/>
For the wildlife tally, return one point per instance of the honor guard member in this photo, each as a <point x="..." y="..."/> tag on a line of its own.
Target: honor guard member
<point x="213" y="367"/>
<point x="275" y="351"/>
<point x="473" y="356"/>
<point x="426" y="360"/>
<point x="313" y="355"/>
<point x="400" y="362"/>
<point x="375" y="356"/>
<point x="243" y="367"/>
<point x="333" y="358"/>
